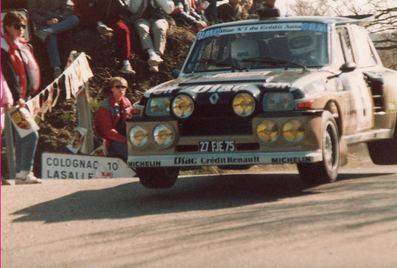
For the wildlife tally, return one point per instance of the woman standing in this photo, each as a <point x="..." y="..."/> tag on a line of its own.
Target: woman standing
<point x="22" y="74"/>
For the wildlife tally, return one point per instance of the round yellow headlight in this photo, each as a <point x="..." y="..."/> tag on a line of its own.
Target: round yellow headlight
<point x="139" y="136"/>
<point x="244" y="104"/>
<point x="163" y="135"/>
<point x="183" y="106"/>
<point x="294" y="130"/>
<point x="267" y="131"/>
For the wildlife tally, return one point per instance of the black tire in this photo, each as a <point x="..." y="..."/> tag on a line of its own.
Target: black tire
<point x="325" y="171"/>
<point x="158" y="178"/>
<point x="384" y="152"/>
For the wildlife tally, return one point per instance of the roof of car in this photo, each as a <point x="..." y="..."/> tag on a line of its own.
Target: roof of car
<point x="360" y="19"/>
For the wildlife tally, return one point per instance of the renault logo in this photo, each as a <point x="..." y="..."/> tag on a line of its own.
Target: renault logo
<point x="214" y="98"/>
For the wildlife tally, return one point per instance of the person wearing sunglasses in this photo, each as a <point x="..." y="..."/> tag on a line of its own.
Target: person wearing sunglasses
<point x="110" y="118"/>
<point x="22" y="74"/>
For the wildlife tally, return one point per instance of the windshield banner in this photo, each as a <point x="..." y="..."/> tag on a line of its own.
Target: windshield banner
<point x="316" y="27"/>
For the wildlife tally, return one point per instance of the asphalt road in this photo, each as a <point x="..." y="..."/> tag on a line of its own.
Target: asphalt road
<point x="244" y="220"/>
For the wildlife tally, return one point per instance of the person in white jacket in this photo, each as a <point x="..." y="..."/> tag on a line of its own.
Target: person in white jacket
<point x="151" y="26"/>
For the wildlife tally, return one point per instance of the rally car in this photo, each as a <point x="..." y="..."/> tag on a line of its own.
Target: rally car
<point x="268" y="91"/>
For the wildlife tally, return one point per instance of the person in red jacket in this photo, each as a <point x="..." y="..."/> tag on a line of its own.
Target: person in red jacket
<point x="21" y="72"/>
<point x="110" y="118"/>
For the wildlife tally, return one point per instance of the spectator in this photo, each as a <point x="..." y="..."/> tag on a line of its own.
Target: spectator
<point x="152" y="27"/>
<point x="265" y="5"/>
<point x="51" y="18"/>
<point x="200" y="8"/>
<point x="106" y="16"/>
<point x="22" y="75"/>
<point x="211" y="13"/>
<point x="110" y="118"/>
<point x="231" y="11"/>
<point x="247" y="5"/>
<point x="184" y="14"/>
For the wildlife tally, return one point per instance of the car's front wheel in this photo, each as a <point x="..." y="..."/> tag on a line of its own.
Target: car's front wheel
<point x="325" y="171"/>
<point x="158" y="178"/>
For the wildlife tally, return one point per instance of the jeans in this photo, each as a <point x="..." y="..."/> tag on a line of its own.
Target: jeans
<point x="117" y="149"/>
<point x="25" y="148"/>
<point x="51" y="41"/>
<point x="156" y="28"/>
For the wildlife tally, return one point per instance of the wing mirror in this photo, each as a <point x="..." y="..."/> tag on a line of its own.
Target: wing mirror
<point x="346" y="67"/>
<point x="175" y="73"/>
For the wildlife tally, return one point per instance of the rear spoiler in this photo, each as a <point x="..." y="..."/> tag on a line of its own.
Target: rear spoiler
<point x="362" y="19"/>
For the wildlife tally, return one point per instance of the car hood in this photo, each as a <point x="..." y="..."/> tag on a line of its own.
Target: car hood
<point x="229" y="83"/>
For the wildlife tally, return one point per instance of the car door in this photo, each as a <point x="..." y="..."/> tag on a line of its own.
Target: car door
<point x="360" y="97"/>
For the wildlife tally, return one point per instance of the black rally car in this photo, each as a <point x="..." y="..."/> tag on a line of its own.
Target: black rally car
<point x="268" y="91"/>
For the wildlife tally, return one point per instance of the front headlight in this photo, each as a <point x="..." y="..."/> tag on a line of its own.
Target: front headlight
<point x="139" y="136"/>
<point x="267" y="131"/>
<point x="244" y="104"/>
<point x="294" y="130"/>
<point x="158" y="106"/>
<point x="182" y="106"/>
<point x="163" y="135"/>
<point x="278" y="101"/>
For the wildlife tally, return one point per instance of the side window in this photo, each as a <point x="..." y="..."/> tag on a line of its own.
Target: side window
<point x="346" y="44"/>
<point x="365" y="55"/>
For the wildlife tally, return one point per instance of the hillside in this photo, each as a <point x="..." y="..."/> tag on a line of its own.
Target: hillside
<point x="56" y="131"/>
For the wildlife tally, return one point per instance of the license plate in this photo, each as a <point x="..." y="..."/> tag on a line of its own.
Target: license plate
<point x="216" y="146"/>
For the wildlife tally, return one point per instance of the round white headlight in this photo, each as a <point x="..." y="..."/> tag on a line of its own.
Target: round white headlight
<point x="244" y="104"/>
<point x="294" y="130"/>
<point x="182" y="106"/>
<point x="267" y="131"/>
<point x="163" y="135"/>
<point x="139" y="136"/>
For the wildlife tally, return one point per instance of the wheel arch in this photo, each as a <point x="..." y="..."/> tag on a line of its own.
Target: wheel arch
<point x="334" y="107"/>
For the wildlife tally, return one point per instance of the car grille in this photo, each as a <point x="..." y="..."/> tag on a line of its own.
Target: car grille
<point x="215" y="126"/>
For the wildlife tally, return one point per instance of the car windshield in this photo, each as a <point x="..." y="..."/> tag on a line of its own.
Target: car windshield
<point x="259" y="46"/>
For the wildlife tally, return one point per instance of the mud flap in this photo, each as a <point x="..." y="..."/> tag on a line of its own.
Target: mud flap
<point x="343" y="154"/>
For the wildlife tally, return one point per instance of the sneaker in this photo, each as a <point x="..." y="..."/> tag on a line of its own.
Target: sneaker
<point x="21" y="175"/>
<point x="57" y="72"/>
<point x="155" y="60"/>
<point x="127" y="69"/>
<point x="43" y="34"/>
<point x="5" y="182"/>
<point x="103" y="29"/>
<point x="30" y="178"/>
<point x="154" y="68"/>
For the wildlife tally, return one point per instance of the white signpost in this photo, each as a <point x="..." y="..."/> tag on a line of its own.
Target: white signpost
<point x="72" y="166"/>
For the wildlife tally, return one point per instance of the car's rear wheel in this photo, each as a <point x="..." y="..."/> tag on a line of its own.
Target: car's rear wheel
<point x="158" y="178"/>
<point x="384" y="152"/>
<point x="325" y="171"/>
